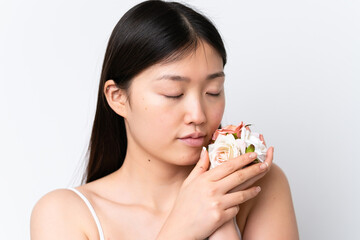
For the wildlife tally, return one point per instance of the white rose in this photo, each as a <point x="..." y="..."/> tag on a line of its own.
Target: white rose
<point x="254" y="139"/>
<point x="223" y="149"/>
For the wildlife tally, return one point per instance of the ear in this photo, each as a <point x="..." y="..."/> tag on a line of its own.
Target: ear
<point x="116" y="97"/>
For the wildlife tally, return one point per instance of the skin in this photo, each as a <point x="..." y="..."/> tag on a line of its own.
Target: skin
<point x="163" y="179"/>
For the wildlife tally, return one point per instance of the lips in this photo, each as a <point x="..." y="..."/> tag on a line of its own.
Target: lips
<point x="195" y="139"/>
<point x="194" y="135"/>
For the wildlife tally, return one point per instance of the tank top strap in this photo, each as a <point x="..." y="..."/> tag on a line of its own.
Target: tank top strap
<point x="237" y="229"/>
<point x="88" y="204"/>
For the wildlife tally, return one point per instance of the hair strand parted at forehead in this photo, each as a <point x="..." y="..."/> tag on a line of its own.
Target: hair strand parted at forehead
<point x="149" y="33"/>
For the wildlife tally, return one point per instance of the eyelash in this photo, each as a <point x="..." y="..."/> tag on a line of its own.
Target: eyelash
<point x="214" y="94"/>
<point x="179" y="96"/>
<point x="174" y="97"/>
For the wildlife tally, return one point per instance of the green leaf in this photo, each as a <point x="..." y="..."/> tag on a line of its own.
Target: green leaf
<point x="250" y="148"/>
<point x="235" y="135"/>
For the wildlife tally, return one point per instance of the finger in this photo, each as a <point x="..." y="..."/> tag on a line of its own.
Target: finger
<point x="241" y="176"/>
<point x="231" y="166"/>
<point x="230" y="213"/>
<point x="232" y="199"/>
<point x="248" y="183"/>
<point x="251" y="181"/>
<point x="201" y="166"/>
<point x="269" y="157"/>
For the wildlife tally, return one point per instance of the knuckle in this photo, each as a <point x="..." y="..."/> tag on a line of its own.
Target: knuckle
<point x="229" y="166"/>
<point x="241" y="198"/>
<point x="240" y="176"/>
<point x="211" y="191"/>
<point x="216" y="215"/>
<point x="215" y="205"/>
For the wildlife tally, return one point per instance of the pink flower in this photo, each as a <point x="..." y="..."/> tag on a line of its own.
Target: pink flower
<point x="232" y="141"/>
<point x="230" y="129"/>
<point x="262" y="139"/>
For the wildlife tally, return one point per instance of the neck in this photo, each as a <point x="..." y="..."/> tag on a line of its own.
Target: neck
<point x="152" y="183"/>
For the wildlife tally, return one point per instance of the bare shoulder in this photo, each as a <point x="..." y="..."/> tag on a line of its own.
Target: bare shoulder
<point x="275" y="179"/>
<point x="272" y="209"/>
<point x="59" y="214"/>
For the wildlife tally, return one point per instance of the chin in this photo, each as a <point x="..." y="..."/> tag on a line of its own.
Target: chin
<point x="187" y="159"/>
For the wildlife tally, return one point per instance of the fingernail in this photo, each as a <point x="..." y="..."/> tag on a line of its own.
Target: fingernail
<point x="252" y="155"/>
<point x="264" y="165"/>
<point x="203" y="152"/>
<point x="258" y="189"/>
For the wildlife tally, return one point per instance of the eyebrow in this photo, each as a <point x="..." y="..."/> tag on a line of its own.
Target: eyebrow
<point x="181" y="78"/>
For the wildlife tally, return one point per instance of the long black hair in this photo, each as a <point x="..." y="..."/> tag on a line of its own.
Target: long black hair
<point x="149" y="33"/>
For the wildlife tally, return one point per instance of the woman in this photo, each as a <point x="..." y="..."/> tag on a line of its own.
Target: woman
<point x="161" y="96"/>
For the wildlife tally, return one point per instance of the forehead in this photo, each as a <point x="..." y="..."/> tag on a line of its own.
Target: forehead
<point x="196" y="64"/>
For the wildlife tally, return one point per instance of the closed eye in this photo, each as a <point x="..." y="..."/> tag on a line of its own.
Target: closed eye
<point x="174" y="97"/>
<point x="214" y="94"/>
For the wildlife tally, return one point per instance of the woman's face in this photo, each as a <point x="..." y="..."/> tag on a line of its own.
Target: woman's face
<point x="175" y="107"/>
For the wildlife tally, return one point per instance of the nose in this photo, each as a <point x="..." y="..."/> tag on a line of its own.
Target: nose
<point x="195" y="112"/>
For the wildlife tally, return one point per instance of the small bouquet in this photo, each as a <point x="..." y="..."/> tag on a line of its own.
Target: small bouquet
<point x="232" y="141"/>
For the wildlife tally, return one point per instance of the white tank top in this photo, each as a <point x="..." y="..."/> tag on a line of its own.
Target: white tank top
<point x="101" y="233"/>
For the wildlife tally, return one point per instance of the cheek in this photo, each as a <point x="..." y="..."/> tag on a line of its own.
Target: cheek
<point x="216" y="113"/>
<point x="152" y="119"/>
<point x="159" y="114"/>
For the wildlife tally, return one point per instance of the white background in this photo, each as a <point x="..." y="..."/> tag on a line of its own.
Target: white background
<point x="293" y="71"/>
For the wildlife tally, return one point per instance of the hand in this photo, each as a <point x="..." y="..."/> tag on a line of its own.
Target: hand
<point x="229" y="229"/>
<point x="267" y="166"/>
<point x="205" y="202"/>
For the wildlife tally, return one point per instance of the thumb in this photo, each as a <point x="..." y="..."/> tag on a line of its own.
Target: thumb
<point x="201" y="166"/>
